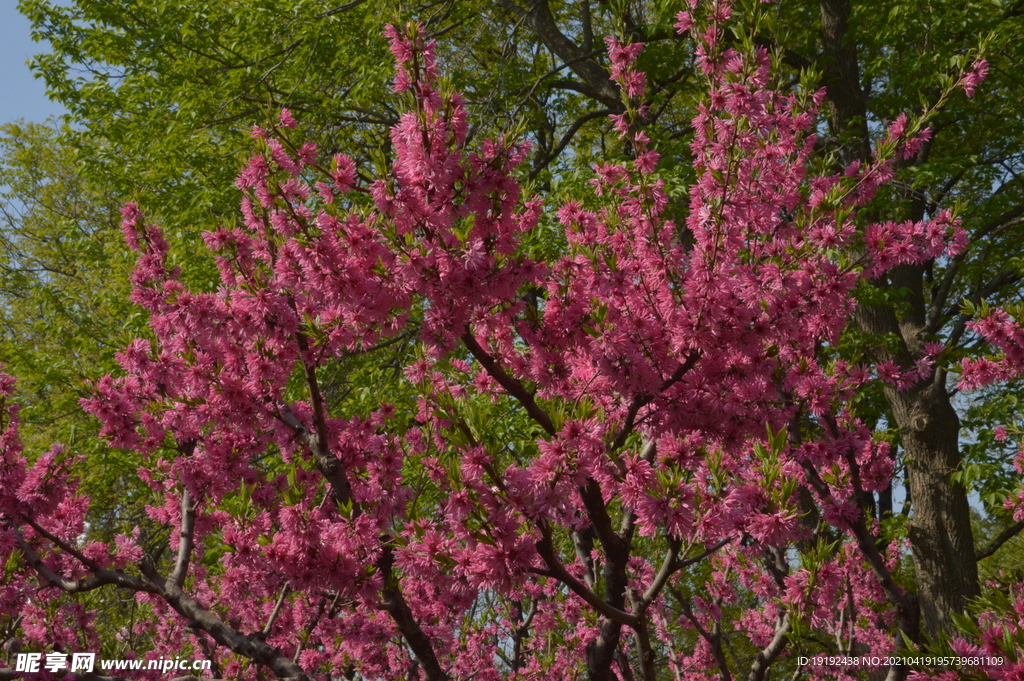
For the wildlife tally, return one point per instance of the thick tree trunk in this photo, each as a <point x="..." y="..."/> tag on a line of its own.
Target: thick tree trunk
<point x="940" y="525"/>
<point x="846" y="102"/>
<point x="940" y="528"/>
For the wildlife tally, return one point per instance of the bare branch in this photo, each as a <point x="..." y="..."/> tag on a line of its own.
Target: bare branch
<point x="543" y="163"/>
<point x="521" y="633"/>
<point x="940" y="295"/>
<point x="185" y="539"/>
<point x="705" y="553"/>
<point x="1003" y="537"/>
<point x="766" y="657"/>
<point x="340" y="9"/>
<point x="546" y="549"/>
<point x="511" y="384"/>
<point x="269" y="626"/>
<point x="668" y="567"/>
<point x="542" y="22"/>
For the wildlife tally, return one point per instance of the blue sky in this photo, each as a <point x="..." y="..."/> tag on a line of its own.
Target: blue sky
<point x="21" y="95"/>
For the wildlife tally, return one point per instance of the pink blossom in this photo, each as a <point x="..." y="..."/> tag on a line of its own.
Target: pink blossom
<point x="973" y="77"/>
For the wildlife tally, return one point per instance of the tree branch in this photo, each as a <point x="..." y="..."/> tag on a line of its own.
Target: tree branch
<point x="269" y="626"/>
<point x="330" y="467"/>
<point x="865" y="541"/>
<point x="101" y="576"/>
<point x="1003" y="537"/>
<point x="566" y="139"/>
<point x="940" y="295"/>
<point x="642" y="636"/>
<point x="704" y="554"/>
<point x="511" y="384"/>
<point x="339" y="9"/>
<point x="185" y="539"/>
<point x="766" y="657"/>
<point x="318" y="442"/>
<point x="668" y="567"/>
<point x="546" y="549"/>
<point x="542" y="22"/>
<point x="66" y="585"/>
<point x="642" y="400"/>
<point x="251" y="647"/>
<point x="396" y="606"/>
<point x="713" y="639"/>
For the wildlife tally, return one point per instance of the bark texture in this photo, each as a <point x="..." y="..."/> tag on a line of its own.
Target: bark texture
<point x="940" y="529"/>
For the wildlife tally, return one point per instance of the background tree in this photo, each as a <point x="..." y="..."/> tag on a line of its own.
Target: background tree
<point x="64" y="283"/>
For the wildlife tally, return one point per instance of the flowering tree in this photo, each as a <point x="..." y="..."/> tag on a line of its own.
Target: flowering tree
<point x="629" y="454"/>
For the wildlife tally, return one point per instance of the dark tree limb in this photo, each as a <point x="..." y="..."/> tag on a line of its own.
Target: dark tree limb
<point x="906" y="604"/>
<point x="642" y="400"/>
<point x="544" y="162"/>
<point x="714" y="639"/>
<point x="317" y="441"/>
<point x="101" y="576"/>
<point x="511" y="384"/>
<point x="555" y="569"/>
<point x="53" y="579"/>
<point x="642" y="636"/>
<point x="331" y="468"/>
<point x="394" y="602"/>
<point x="595" y="78"/>
<point x="1003" y="537"/>
<point x="396" y="606"/>
<point x="668" y="568"/>
<point x="252" y="647"/>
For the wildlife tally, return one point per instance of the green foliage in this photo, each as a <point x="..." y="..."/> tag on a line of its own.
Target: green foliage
<point x="64" y="308"/>
<point x="1006" y="566"/>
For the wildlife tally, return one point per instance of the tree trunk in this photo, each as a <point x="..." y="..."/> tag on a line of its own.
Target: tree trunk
<point x="940" y="528"/>
<point x="940" y="524"/>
